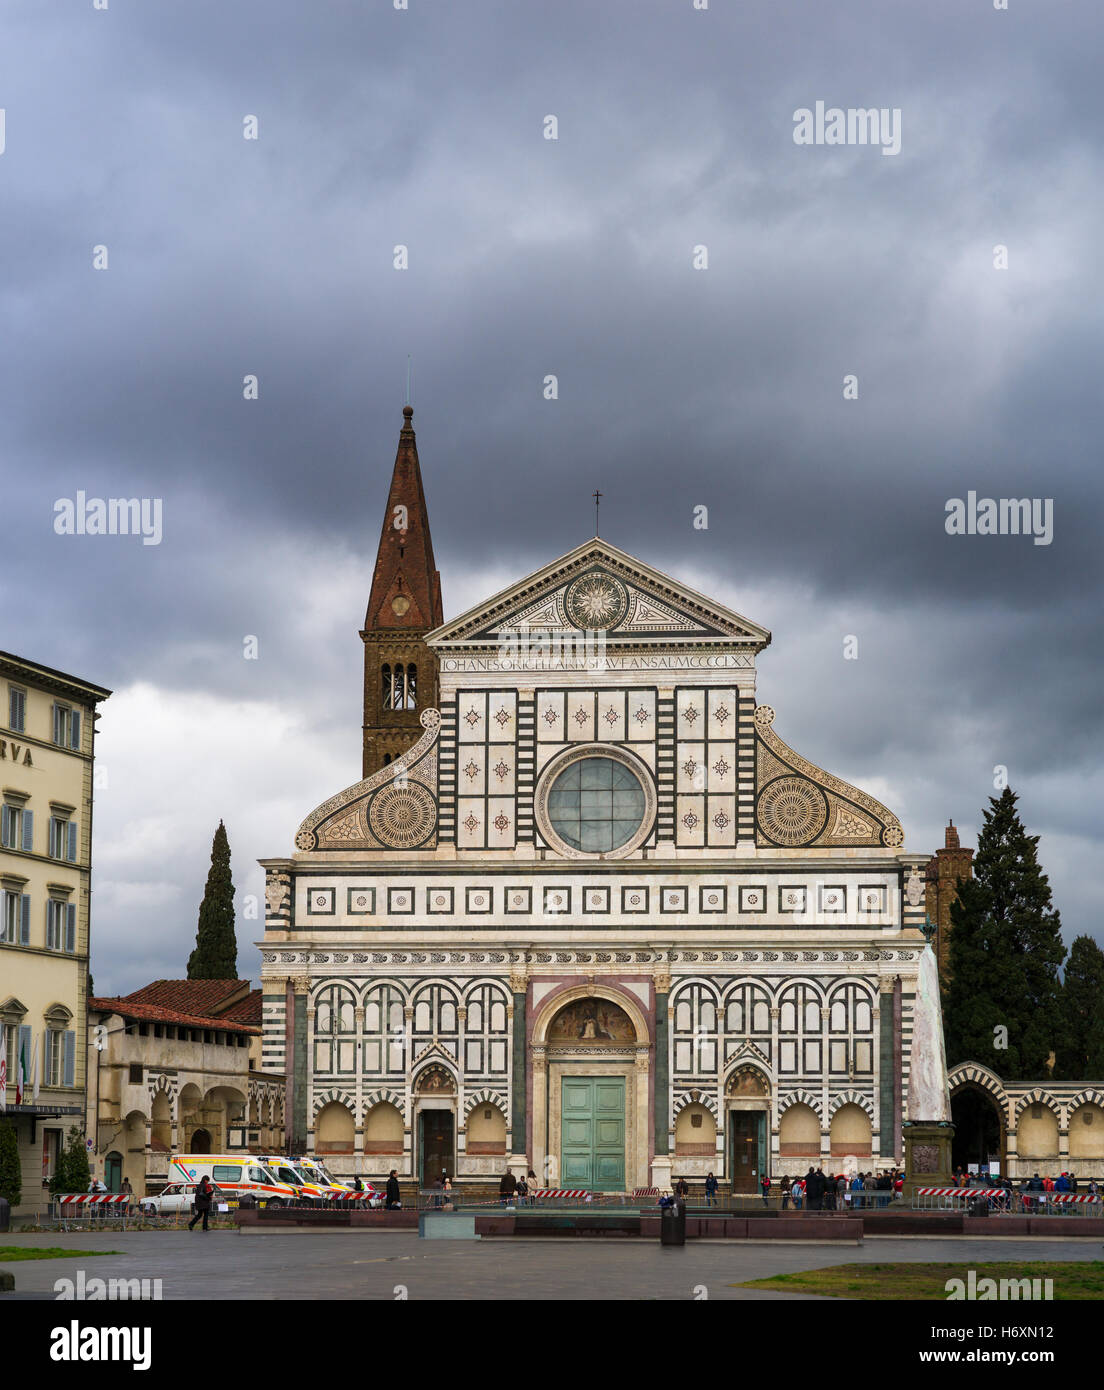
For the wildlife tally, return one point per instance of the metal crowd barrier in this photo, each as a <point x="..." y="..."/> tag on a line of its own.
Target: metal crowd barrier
<point x="1002" y="1202"/>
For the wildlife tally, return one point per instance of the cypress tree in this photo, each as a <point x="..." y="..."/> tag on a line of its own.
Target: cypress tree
<point x="11" y="1176"/>
<point x="216" y="952"/>
<point x="1081" y="1057"/>
<point x="1003" y="1005"/>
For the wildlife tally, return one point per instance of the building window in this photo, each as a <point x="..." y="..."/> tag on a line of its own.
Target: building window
<point x="596" y="805"/>
<point x="17" y="710"/>
<point x="61" y="925"/>
<point x="63" y="839"/>
<point x="55" y="1056"/>
<point x="334" y="1032"/>
<point x="135" y="1073"/>
<point x="15" y="918"/>
<point x="399" y="685"/>
<point x="67" y="726"/>
<point x="694" y="1014"/>
<point x="16" y="827"/>
<point x="384" y="1031"/>
<point x="486" y="1031"/>
<point x="799" y="1030"/>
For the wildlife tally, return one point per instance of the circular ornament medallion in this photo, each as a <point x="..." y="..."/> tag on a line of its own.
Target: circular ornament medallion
<point x="792" y="811"/>
<point x="402" y="817"/>
<point x="597" y="601"/>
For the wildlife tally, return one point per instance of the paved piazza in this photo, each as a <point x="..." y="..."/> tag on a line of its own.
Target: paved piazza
<point x="372" y="1265"/>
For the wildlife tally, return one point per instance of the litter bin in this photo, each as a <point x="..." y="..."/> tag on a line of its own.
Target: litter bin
<point x="672" y="1224"/>
<point x="979" y="1206"/>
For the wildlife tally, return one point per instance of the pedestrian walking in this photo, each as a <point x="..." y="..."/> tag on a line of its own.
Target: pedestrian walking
<point x="203" y="1195"/>
<point x="507" y="1187"/>
<point x="797" y="1192"/>
<point x="682" y="1190"/>
<point x="391" y="1196"/>
<point x="784" y="1186"/>
<point x="710" y="1190"/>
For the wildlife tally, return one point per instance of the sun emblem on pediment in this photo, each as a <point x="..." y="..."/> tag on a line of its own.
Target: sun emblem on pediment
<point x="596" y="601"/>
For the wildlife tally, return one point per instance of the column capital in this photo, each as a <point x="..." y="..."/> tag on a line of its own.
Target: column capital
<point x="519" y="980"/>
<point x="661" y="979"/>
<point x="301" y="984"/>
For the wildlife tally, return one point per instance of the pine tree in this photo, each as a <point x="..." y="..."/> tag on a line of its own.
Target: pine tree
<point x="216" y="952"/>
<point x="11" y="1176"/>
<point x="1003" y="1005"/>
<point x="1081" y="1057"/>
<point x="72" y="1173"/>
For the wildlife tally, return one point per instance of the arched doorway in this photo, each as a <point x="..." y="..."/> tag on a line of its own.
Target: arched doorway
<point x="113" y="1171"/>
<point x="435" y="1107"/>
<point x="590" y="1091"/>
<point x="980" y="1132"/>
<point x="747" y="1101"/>
<point x="201" y="1141"/>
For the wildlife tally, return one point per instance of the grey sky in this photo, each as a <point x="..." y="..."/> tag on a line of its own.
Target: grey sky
<point x="677" y="387"/>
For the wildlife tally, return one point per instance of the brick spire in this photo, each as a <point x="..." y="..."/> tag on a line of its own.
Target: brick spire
<point x="406" y="587"/>
<point x="400" y="671"/>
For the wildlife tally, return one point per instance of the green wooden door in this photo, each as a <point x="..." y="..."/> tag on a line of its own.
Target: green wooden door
<point x="592" y="1133"/>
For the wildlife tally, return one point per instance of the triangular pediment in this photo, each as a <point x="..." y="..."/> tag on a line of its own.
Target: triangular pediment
<point x="596" y="586"/>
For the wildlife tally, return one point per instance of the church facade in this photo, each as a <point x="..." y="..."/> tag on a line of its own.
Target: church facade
<point x="599" y="921"/>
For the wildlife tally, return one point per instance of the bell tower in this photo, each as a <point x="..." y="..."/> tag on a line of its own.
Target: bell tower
<point x="400" y="671"/>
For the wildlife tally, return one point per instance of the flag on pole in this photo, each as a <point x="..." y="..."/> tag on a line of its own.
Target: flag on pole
<point x="21" y="1072"/>
<point x="3" y="1067"/>
<point x="34" y="1070"/>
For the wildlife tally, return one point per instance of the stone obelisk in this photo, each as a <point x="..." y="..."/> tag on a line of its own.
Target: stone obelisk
<point x="928" y="1127"/>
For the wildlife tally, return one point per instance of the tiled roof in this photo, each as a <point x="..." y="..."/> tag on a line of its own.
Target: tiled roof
<point x="190" y="996"/>
<point x="247" y="1010"/>
<point x="154" y="1013"/>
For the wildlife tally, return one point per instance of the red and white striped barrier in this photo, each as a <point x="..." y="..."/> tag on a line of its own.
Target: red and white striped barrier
<point x="560" y="1192"/>
<point x="959" y="1191"/>
<point x="645" y="1192"/>
<point x="350" y="1196"/>
<point x="95" y="1198"/>
<point x="1066" y="1197"/>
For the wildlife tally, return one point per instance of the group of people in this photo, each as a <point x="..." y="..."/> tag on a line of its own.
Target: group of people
<point x="817" y="1190"/>
<point x="1029" y="1191"/>
<point x="517" y="1191"/>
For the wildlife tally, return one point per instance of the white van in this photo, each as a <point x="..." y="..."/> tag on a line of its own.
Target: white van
<point x="236" y="1174"/>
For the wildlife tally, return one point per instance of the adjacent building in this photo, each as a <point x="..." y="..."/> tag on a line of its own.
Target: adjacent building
<point x="47" y="750"/>
<point x="174" y="1067"/>
<point x="599" y="920"/>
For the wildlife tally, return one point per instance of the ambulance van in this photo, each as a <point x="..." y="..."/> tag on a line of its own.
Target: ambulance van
<point x="238" y="1174"/>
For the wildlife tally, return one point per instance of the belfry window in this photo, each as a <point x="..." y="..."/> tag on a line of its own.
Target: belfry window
<point x="399" y="686"/>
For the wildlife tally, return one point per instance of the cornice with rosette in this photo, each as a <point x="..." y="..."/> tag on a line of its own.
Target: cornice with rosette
<point x="890" y="832"/>
<point x="409" y="764"/>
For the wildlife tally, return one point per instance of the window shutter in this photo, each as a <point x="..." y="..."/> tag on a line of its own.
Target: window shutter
<point x="57" y="723"/>
<point x="28" y="831"/>
<point x="72" y="854"/>
<point x="70" y="1057"/>
<point x="47" y="1056"/>
<point x="75" y="730"/>
<point x="71" y="927"/>
<point x="5" y="824"/>
<point x="25" y="920"/>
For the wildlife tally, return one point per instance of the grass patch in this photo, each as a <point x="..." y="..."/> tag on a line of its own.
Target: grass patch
<point x="11" y="1253"/>
<point x="893" y="1282"/>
